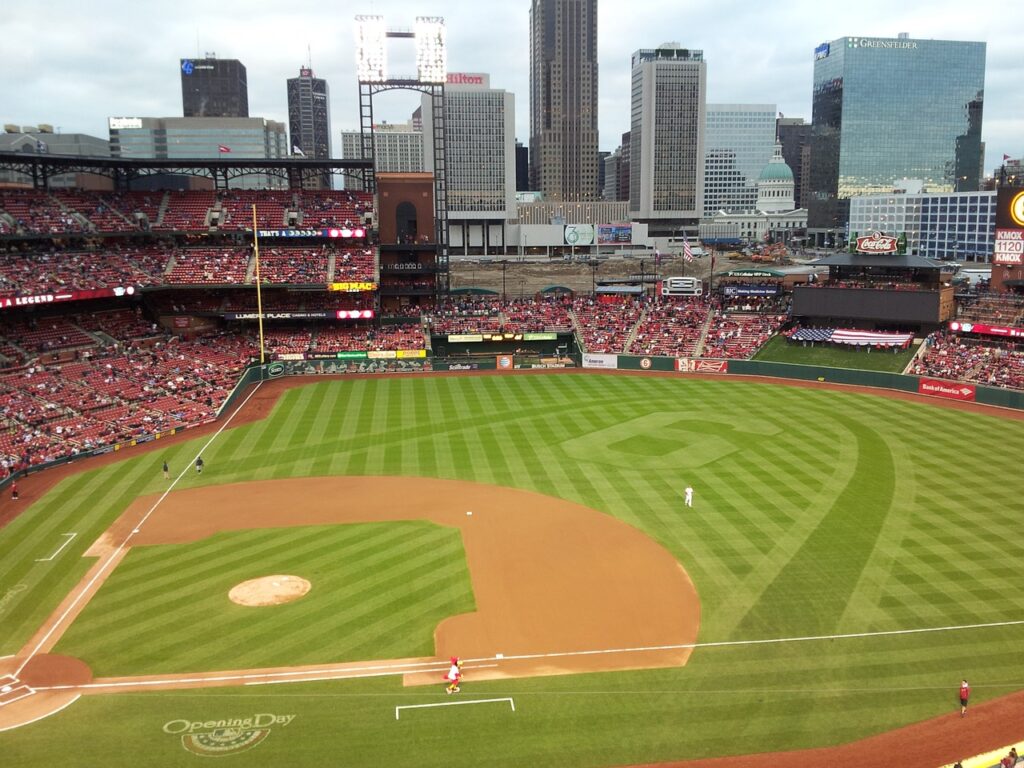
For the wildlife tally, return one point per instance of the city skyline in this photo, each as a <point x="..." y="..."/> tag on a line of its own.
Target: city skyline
<point x="75" y="81"/>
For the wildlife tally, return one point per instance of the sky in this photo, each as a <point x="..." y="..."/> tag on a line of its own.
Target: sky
<point x="73" y="64"/>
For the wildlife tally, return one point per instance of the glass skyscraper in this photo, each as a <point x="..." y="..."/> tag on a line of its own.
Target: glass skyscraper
<point x="738" y="144"/>
<point x="886" y="109"/>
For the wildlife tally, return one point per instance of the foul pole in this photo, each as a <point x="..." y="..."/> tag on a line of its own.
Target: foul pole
<point x="259" y="293"/>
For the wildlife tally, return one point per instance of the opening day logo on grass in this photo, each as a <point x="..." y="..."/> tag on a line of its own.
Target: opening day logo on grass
<point x="213" y="738"/>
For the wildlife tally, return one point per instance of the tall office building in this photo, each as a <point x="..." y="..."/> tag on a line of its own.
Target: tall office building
<point x="563" y="99"/>
<point x="886" y="109"/>
<point x="480" y="140"/>
<point x="738" y="144"/>
<point x="795" y="137"/>
<point x="666" y="147"/>
<point x="213" y="87"/>
<point x="309" y="118"/>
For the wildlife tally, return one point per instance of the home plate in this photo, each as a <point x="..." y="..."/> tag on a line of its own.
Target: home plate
<point x="6" y="689"/>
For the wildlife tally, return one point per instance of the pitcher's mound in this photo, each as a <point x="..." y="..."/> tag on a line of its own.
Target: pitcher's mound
<point x="269" y="590"/>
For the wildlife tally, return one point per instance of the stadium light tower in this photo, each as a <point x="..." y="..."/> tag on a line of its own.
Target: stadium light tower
<point x="431" y="51"/>
<point x="371" y="52"/>
<point x="429" y="35"/>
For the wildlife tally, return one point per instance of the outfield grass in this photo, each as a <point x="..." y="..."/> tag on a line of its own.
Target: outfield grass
<point x="816" y="513"/>
<point x="781" y="350"/>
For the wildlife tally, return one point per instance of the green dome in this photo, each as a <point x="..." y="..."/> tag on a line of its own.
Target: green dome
<point x="776" y="172"/>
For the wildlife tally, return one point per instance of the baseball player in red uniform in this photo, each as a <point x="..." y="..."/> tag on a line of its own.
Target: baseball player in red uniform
<point x="965" y="694"/>
<point x="454" y="676"/>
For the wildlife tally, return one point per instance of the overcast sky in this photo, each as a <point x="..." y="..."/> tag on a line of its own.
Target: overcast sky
<point x="73" y="64"/>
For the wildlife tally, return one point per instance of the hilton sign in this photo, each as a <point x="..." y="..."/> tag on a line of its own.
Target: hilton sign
<point x="481" y="79"/>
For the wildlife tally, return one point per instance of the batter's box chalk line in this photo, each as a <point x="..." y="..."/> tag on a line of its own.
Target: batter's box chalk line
<point x="398" y="710"/>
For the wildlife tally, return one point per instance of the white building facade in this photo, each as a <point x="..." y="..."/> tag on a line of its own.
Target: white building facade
<point x="397" y="148"/>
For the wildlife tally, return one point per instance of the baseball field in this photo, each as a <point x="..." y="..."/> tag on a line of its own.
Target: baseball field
<point x="848" y="558"/>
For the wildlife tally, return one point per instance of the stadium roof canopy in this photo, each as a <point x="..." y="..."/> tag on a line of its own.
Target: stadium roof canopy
<point x="876" y="260"/>
<point x="39" y="168"/>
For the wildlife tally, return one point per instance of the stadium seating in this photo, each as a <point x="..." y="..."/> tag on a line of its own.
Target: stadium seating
<point x="186" y="211"/>
<point x="671" y="327"/>
<point x="210" y="266"/>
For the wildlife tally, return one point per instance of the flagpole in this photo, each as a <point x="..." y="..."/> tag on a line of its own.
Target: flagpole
<point x="259" y="294"/>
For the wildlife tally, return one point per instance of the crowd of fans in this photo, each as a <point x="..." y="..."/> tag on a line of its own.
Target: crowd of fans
<point x="949" y="356"/>
<point x="736" y="335"/>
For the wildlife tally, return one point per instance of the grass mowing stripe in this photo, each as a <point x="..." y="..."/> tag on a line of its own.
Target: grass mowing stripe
<point x="824" y="572"/>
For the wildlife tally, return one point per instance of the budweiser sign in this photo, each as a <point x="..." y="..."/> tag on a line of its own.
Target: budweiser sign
<point x="876" y="242"/>
<point x="950" y="389"/>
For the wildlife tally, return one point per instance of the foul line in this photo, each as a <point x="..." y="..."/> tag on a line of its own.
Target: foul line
<point x="382" y="670"/>
<point x="452" y="704"/>
<point x="767" y="641"/>
<point x="267" y="678"/>
<point x="43" y="717"/>
<point x="113" y="556"/>
<point x="59" y="549"/>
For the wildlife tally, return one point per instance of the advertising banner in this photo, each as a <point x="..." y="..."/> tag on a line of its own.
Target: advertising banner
<point x="279" y="315"/>
<point x="600" y="361"/>
<point x="579" y="234"/>
<point x="991" y="330"/>
<point x="50" y="298"/>
<point x="465" y="338"/>
<point x="540" y="336"/>
<point x="342" y="232"/>
<point x="352" y="287"/>
<point x="1009" y="247"/>
<point x="750" y="290"/>
<point x="504" y="362"/>
<point x="950" y="389"/>
<point x="689" y="365"/>
<point x="408" y="354"/>
<point x="611" y="234"/>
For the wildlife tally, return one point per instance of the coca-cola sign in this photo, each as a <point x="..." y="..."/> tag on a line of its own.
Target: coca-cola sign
<point x="876" y="242"/>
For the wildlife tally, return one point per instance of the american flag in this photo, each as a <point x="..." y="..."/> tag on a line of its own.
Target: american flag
<point x="687" y="253"/>
<point x="222" y="148"/>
